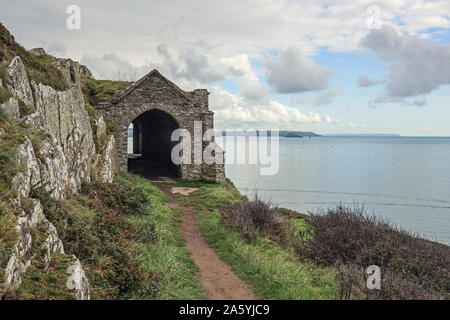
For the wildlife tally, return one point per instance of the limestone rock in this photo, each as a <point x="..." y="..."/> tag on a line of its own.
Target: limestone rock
<point x="11" y="109"/>
<point x="37" y="51"/>
<point x="107" y="162"/>
<point x="18" y="83"/>
<point x="21" y="258"/>
<point x="73" y="69"/>
<point x="53" y="243"/>
<point x="77" y="152"/>
<point x="30" y="174"/>
<point x="78" y="281"/>
<point x="101" y="127"/>
<point x="61" y="111"/>
<point x="53" y="168"/>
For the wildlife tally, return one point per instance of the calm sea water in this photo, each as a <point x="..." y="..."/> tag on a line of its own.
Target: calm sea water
<point x="404" y="179"/>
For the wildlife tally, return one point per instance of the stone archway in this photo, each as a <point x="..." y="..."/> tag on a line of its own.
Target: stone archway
<point x="152" y="145"/>
<point x="149" y="103"/>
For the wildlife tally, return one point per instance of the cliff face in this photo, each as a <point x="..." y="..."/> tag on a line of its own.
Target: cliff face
<point x="60" y="159"/>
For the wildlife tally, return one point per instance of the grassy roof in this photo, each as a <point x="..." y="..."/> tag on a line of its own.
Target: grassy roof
<point x="94" y="90"/>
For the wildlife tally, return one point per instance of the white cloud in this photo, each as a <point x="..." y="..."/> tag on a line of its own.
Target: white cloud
<point x="417" y="66"/>
<point x="255" y="93"/>
<point x="214" y="29"/>
<point x="232" y="110"/>
<point x="190" y="67"/>
<point x="240" y="68"/>
<point x="110" y="66"/>
<point x="328" y="95"/>
<point x="328" y="119"/>
<point x="365" y="81"/>
<point x="294" y="73"/>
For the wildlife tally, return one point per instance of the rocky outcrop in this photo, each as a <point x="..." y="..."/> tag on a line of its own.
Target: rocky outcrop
<point x="23" y="254"/>
<point x="37" y="51"/>
<point x="106" y="162"/>
<point x="73" y="68"/>
<point x="61" y="162"/>
<point x="18" y="83"/>
<point x="77" y="280"/>
<point x="30" y="173"/>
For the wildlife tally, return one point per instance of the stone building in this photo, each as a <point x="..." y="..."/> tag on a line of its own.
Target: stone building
<point x="156" y="107"/>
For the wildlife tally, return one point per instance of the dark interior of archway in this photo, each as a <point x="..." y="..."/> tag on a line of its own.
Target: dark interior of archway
<point x="152" y="145"/>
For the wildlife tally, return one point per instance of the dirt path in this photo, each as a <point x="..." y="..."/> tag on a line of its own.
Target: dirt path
<point x="218" y="280"/>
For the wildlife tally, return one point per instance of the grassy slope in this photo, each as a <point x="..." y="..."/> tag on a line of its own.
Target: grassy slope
<point x="125" y="255"/>
<point x="167" y="257"/>
<point x="273" y="270"/>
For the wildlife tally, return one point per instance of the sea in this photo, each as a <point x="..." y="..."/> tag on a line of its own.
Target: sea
<point x="404" y="179"/>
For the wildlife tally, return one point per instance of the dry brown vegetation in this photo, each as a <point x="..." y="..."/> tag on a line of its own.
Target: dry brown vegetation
<point x="349" y="240"/>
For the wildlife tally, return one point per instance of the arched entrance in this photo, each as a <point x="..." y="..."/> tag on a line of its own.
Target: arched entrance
<point x="151" y="149"/>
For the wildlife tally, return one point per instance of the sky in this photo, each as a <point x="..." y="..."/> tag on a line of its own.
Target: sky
<point x="327" y="66"/>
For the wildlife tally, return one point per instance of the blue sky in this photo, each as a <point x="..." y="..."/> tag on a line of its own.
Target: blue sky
<point x="328" y="66"/>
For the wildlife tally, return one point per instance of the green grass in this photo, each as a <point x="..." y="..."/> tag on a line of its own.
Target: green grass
<point x="210" y="194"/>
<point x="94" y="90"/>
<point x="166" y="257"/>
<point x="274" y="272"/>
<point x="272" y="269"/>
<point x="42" y="282"/>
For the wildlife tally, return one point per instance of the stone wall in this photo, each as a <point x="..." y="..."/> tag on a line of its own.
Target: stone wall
<point x="154" y="91"/>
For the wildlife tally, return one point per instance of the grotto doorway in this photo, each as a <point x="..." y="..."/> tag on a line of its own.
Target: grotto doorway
<point x="150" y="145"/>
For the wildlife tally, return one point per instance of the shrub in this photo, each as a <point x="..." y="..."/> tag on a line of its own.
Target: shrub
<point x="351" y="237"/>
<point x="101" y="237"/>
<point x="256" y="217"/>
<point x="126" y="198"/>
<point x="4" y="95"/>
<point x="25" y="110"/>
